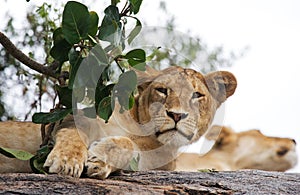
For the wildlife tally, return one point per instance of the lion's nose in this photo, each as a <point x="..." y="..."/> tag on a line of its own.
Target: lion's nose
<point x="176" y="116"/>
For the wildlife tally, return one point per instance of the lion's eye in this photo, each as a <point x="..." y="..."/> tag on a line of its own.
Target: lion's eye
<point x="197" y="95"/>
<point x="162" y="90"/>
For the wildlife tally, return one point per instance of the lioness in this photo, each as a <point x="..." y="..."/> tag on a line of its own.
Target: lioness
<point x="173" y="107"/>
<point x="244" y="150"/>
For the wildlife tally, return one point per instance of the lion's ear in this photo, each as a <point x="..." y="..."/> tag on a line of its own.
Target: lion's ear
<point x="221" y="85"/>
<point x="146" y="76"/>
<point x="227" y="136"/>
<point x="143" y="86"/>
<point x="221" y="134"/>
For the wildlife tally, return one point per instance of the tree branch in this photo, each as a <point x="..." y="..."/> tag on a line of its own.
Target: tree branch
<point x="19" y="55"/>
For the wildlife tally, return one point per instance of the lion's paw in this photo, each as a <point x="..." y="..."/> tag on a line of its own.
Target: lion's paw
<point x="61" y="162"/>
<point x="108" y="155"/>
<point x="68" y="156"/>
<point x="96" y="168"/>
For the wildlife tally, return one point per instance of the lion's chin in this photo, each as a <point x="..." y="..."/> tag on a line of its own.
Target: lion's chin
<point x="172" y="136"/>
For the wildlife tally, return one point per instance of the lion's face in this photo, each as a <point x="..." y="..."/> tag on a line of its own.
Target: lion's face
<point x="266" y="153"/>
<point x="254" y="150"/>
<point x="180" y="103"/>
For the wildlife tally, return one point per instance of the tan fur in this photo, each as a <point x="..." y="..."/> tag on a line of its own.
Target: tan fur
<point x="173" y="108"/>
<point x="18" y="135"/>
<point x="244" y="150"/>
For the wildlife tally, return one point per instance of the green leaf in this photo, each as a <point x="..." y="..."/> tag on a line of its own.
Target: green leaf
<point x="96" y="62"/>
<point x="105" y="108"/>
<point x="75" y="60"/>
<point x="58" y="36"/>
<point x="89" y="112"/>
<point x="105" y="76"/>
<point x="59" y="52"/>
<point x="135" y="5"/>
<point x="88" y="70"/>
<point x="101" y="62"/>
<point x="112" y="13"/>
<point x="140" y="66"/>
<point x="78" y="93"/>
<point x="100" y="55"/>
<point x="136" y="30"/>
<point x="114" y="2"/>
<point x="61" y="47"/>
<point x="13" y="153"/>
<point x="136" y="58"/>
<point x="127" y="82"/>
<point x="37" y="167"/>
<point x="131" y="101"/>
<point x="37" y="162"/>
<point x="134" y="163"/>
<point x="46" y="117"/>
<point x="136" y="54"/>
<point x="93" y="24"/>
<point x="134" y="62"/>
<point x="64" y="95"/>
<point x="154" y="53"/>
<point x="75" y="22"/>
<point x="207" y="170"/>
<point x="102" y="92"/>
<point x="124" y="89"/>
<point x="110" y="29"/>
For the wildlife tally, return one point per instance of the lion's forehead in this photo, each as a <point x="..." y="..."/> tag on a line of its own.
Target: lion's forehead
<point x="182" y="79"/>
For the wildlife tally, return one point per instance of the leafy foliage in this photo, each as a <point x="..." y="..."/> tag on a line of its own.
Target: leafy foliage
<point x="46" y="43"/>
<point x="78" y="46"/>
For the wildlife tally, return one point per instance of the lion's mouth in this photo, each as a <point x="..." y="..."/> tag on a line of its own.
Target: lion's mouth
<point x="174" y="130"/>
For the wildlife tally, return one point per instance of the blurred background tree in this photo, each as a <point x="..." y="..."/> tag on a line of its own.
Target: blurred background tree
<point x="20" y="85"/>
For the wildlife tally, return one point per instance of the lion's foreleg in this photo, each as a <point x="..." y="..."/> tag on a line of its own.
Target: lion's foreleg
<point x="69" y="153"/>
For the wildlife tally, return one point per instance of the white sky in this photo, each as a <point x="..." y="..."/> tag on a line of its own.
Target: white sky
<point x="268" y="91"/>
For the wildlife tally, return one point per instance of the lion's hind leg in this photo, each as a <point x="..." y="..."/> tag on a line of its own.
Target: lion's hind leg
<point x="108" y="155"/>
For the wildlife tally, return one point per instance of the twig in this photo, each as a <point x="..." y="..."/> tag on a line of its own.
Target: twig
<point x="117" y="62"/>
<point x="43" y="132"/>
<point x="19" y="55"/>
<point x="46" y="134"/>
